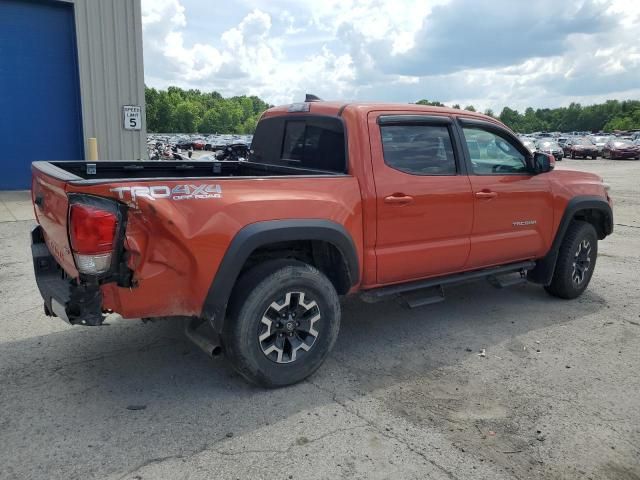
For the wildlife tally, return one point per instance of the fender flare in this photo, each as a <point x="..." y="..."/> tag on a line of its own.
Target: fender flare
<point x="543" y="272"/>
<point x="259" y="234"/>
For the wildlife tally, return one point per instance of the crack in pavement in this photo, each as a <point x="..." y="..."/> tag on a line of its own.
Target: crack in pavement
<point x="211" y="448"/>
<point x="383" y="432"/>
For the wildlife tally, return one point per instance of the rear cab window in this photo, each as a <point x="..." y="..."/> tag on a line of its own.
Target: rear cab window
<point x="311" y="142"/>
<point x="418" y="149"/>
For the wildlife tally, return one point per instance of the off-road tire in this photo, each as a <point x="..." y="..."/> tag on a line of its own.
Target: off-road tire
<point x="563" y="285"/>
<point x="253" y="294"/>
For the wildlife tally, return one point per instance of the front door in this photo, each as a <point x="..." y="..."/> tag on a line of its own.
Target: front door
<point x="424" y="201"/>
<point x="513" y="210"/>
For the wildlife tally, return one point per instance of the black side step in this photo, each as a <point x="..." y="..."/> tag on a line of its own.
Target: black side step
<point x="421" y="298"/>
<point x="457" y="278"/>
<point x="507" y="280"/>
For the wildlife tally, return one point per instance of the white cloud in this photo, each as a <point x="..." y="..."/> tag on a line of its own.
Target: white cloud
<point x="490" y="53"/>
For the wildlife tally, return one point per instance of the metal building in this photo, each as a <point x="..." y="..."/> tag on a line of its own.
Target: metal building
<point x="69" y="70"/>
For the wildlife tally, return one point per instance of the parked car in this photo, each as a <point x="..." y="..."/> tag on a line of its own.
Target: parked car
<point x="580" y="147"/>
<point x="259" y="252"/>
<point x="184" y="144"/>
<point x="599" y="141"/>
<point x="551" y="147"/>
<point x="617" y="148"/>
<point x="198" y="144"/>
<point x="529" y="143"/>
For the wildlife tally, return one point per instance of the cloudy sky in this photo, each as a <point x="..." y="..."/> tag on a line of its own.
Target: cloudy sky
<point x="489" y="53"/>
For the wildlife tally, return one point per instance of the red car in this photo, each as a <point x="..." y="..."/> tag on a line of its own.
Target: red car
<point x="617" y="148"/>
<point x="580" y="148"/>
<point x="336" y="198"/>
<point x="199" y="144"/>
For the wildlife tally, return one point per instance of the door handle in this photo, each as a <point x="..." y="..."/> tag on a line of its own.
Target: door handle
<point x="486" y="195"/>
<point x="398" y="199"/>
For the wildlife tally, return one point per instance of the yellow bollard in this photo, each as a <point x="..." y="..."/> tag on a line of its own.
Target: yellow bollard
<point x="92" y="149"/>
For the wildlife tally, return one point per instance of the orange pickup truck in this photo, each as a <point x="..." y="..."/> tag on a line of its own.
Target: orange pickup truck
<point x="333" y="199"/>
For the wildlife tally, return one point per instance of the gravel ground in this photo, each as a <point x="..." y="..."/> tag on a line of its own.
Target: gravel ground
<point x="404" y="394"/>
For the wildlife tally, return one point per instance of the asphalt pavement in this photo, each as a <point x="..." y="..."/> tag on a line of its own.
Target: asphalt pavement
<point x="405" y="393"/>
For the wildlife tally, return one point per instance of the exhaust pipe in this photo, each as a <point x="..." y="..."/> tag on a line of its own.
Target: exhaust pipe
<point x="210" y="346"/>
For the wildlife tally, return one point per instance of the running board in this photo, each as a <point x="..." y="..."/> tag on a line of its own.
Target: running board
<point x="507" y="280"/>
<point x="421" y="298"/>
<point x="457" y="278"/>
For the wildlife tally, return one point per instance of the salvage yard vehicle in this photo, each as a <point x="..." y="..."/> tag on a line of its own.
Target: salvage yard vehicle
<point x="376" y="199"/>
<point x="580" y="147"/>
<point x="551" y="147"/>
<point x="620" y="149"/>
<point x="599" y="141"/>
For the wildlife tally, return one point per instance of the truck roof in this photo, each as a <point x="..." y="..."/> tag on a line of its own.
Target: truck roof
<point x="336" y="108"/>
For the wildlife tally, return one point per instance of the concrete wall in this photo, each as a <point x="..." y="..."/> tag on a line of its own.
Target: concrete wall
<point x="110" y="63"/>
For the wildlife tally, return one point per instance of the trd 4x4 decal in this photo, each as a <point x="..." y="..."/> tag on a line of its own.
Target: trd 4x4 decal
<point x="179" y="192"/>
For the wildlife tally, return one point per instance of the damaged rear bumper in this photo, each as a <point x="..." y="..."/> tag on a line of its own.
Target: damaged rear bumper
<point x="65" y="297"/>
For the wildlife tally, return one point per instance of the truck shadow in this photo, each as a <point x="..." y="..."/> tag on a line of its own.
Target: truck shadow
<point x="142" y="391"/>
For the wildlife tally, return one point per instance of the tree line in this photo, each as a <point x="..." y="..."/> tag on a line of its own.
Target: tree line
<point x="607" y="117"/>
<point x="175" y="110"/>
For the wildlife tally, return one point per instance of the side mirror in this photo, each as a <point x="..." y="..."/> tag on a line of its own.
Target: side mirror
<point x="543" y="163"/>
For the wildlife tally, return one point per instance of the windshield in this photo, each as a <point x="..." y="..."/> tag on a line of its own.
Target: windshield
<point x="622" y="143"/>
<point x="583" y="141"/>
<point x="548" y="144"/>
<point x="600" y="139"/>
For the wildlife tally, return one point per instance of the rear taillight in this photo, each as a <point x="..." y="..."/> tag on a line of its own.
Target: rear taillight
<point x="92" y="232"/>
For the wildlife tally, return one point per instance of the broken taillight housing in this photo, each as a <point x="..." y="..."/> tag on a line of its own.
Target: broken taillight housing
<point x="92" y="232"/>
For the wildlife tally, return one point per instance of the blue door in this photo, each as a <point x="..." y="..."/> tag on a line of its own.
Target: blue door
<point x="40" y="116"/>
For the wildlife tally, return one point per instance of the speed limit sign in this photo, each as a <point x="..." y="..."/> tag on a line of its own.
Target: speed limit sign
<point x="132" y="117"/>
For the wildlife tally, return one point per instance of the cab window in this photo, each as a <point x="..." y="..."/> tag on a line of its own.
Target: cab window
<point x="305" y="141"/>
<point x="418" y="149"/>
<point x="492" y="154"/>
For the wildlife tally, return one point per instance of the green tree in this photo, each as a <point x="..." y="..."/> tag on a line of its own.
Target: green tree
<point x="186" y="117"/>
<point x="188" y="111"/>
<point x="427" y="102"/>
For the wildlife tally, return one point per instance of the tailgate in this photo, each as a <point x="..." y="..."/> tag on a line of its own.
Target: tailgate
<point x="51" y="207"/>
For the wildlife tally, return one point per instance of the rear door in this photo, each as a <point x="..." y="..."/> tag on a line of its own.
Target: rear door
<point x="424" y="202"/>
<point x="513" y="211"/>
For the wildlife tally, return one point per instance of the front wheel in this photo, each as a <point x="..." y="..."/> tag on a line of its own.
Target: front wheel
<point x="283" y="321"/>
<point x="576" y="261"/>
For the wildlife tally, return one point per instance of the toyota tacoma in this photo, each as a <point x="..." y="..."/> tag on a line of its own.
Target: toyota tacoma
<point x="333" y="199"/>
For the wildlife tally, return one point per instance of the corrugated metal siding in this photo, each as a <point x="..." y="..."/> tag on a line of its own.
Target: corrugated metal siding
<point x="109" y="38"/>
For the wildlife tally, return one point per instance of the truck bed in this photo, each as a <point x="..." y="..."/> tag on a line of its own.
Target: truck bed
<point x="181" y="217"/>
<point x="81" y="172"/>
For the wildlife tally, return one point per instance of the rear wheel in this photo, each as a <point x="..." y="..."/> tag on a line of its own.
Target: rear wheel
<point x="283" y="321"/>
<point x="576" y="261"/>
